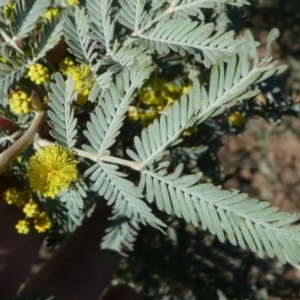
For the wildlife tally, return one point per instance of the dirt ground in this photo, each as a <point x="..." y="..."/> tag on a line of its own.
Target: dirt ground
<point x="265" y="160"/>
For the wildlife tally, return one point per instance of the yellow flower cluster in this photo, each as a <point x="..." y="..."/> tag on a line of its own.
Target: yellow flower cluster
<point x="8" y="10"/>
<point x="155" y="96"/>
<point x="30" y="208"/>
<point x="236" y="119"/>
<point x="51" y="13"/>
<point x="133" y="114"/>
<point x="15" y="196"/>
<point x="23" y="227"/>
<point x="190" y="131"/>
<point x="20" y="102"/>
<point x="51" y="170"/>
<point x="83" y="78"/>
<point x="73" y="2"/>
<point x="156" y="92"/>
<point x="38" y="73"/>
<point x="42" y="223"/>
<point x="65" y="65"/>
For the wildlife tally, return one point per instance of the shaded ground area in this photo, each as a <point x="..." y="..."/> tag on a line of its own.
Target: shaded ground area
<point x="265" y="160"/>
<point x="265" y="163"/>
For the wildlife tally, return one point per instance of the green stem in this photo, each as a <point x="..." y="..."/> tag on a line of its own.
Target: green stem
<point x="85" y="154"/>
<point x="111" y="159"/>
<point x="124" y="162"/>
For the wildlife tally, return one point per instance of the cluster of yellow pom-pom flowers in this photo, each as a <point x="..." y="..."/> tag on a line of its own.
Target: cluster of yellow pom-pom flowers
<point x="38" y="73"/>
<point x="155" y="96"/>
<point x="236" y="119"/>
<point x="51" y="13"/>
<point x="41" y="221"/>
<point x="20" y="102"/>
<point x="81" y="75"/>
<point x="8" y="10"/>
<point x="51" y="170"/>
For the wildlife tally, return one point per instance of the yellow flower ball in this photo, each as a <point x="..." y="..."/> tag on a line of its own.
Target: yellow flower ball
<point x="51" y="170"/>
<point x="8" y="10"/>
<point x="15" y="196"/>
<point x="31" y="209"/>
<point x="236" y="119"/>
<point x="172" y="92"/>
<point x="84" y="80"/>
<point x="152" y="93"/>
<point x="133" y="114"/>
<point x="38" y="73"/>
<point x="73" y="2"/>
<point x="22" y="227"/>
<point x="20" y="102"/>
<point x="51" y="13"/>
<point x="65" y="65"/>
<point x="42" y="223"/>
<point x="158" y="93"/>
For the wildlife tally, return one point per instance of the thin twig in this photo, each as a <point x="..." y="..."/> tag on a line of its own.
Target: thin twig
<point x="8" y="155"/>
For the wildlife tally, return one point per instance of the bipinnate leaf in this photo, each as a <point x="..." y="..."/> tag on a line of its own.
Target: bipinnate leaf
<point x="27" y="14"/>
<point x="99" y="12"/>
<point x="108" y="116"/>
<point x="187" y="8"/>
<point x="229" y="83"/>
<point x="120" y="235"/>
<point x="246" y="222"/>
<point x="185" y="36"/>
<point x="62" y="111"/>
<point x="111" y="184"/>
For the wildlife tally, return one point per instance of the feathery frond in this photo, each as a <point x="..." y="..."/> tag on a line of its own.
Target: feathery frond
<point x="104" y="80"/>
<point x="110" y="183"/>
<point x="77" y="29"/>
<point x="126" y="56"/>
<point x="185" y="36"/>
<point x="4" y="139"/>
<point x="49" y="36"/>
<point x="132" y="13"/>
<point x="157" y="4"/>
<point x="10" y="72"/>
<point x="101" y="25"/>
<point x="186" y="8"/>
<point x="166" y="130"/>
<point x="121" y="234"/>
<point x="247" y="222"/>
<point x="225" y="90"/>
<point x="62" y="113"/>
<point x="108" y="117"/>
<point x="27" y="14"/>
<point x="73" y="197"/>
